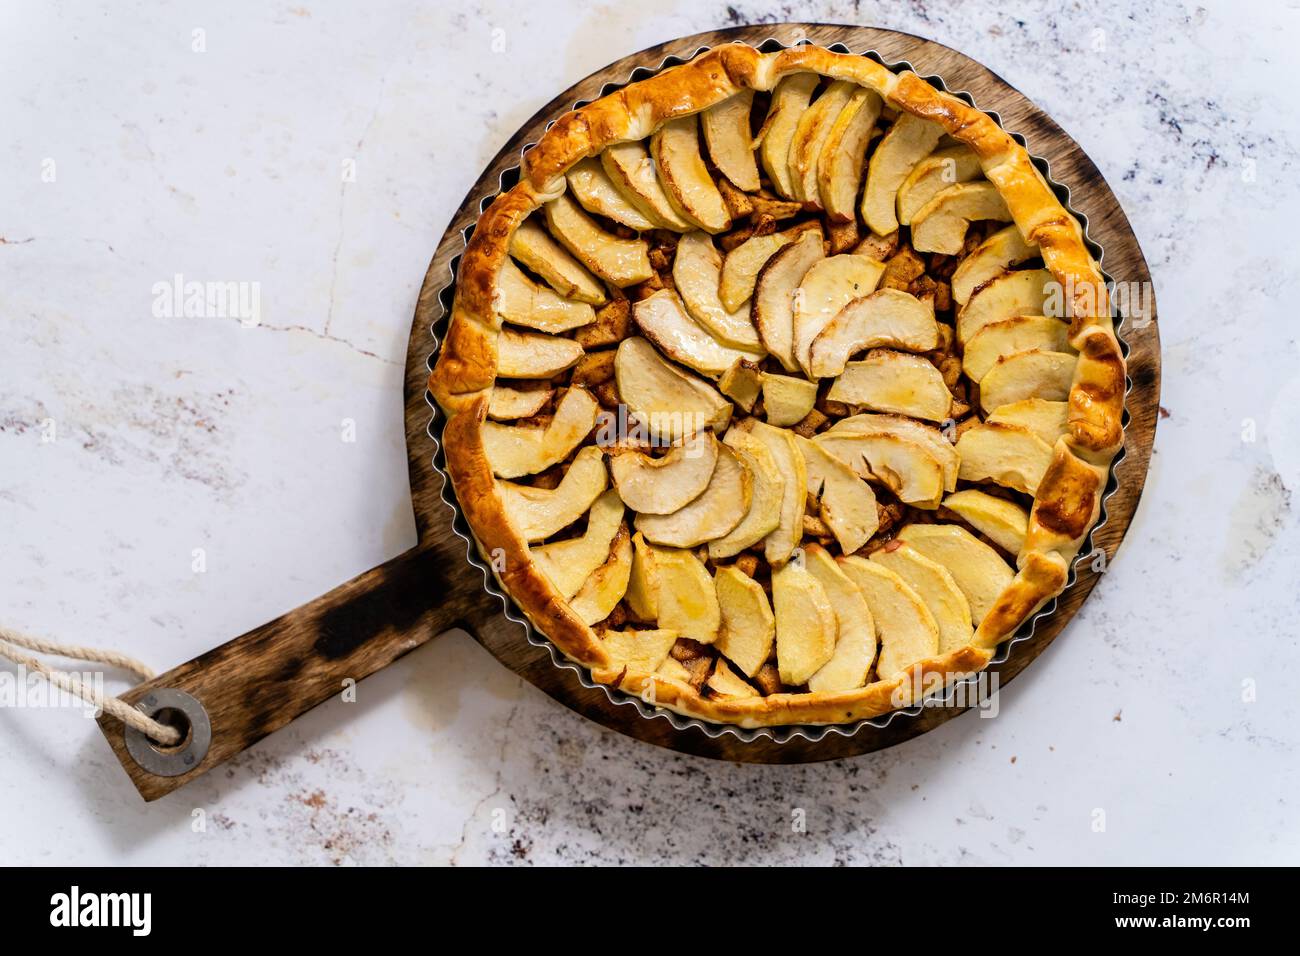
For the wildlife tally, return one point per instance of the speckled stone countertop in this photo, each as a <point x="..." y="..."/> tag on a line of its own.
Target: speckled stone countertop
<point x="319" y="149"/>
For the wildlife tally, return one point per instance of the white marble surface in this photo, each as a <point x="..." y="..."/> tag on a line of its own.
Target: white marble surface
<point x="173" y="434"/>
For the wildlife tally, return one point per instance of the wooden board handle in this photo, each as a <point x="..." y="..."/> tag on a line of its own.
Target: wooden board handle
<point x="260" y="681"/>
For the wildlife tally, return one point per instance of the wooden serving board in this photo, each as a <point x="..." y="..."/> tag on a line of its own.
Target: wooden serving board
<point x="261" y="681"/>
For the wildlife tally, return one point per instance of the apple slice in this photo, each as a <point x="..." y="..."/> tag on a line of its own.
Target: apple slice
<point x="748" y="626"/>
<point x="908" y="632"/>
<point x="936" y="589"/>
<point x="533" y="246"/>
<point x="524" y="355"/>
<point x="507" y="403"/>
<point x="896" y="382"/>
<point x="640" y="652"/>
<point x="596" y="193"/>
<point x="927" y="435"/>
<point x="1025" y="292"/>
<point x="522" y="301"/>
<point x="1009" y="455"/>
<point x="787" y="400"/>
<point x="726" y="132"/>
<point x="1016" y="334"/>
<point x="601" y="592"/>
<point x="940" y="225"/>
<point x="855" y="648"/>
<point x="538" y="513"/>
<point x="742" y="383"/>
<point x="716" y="511"/>
<point x="620" y="262"/>
<point x="725" y="685"/>
<point x="682" y="591"/>
<point x="908" y="141"/>
<point x="570" y="563"/>
<point x="841" y="163"/>
<point x="909" y="469"/>
<point x="662" y="319"/>
<point x="642" y="586"/>
<point x="978" y="570"/>
<point x="887" y="318"/>
<point x="941" y="169"/>
<point x="806" y="629"/>
<point x="828" y="286"/>
<point x="697" y="270"/>
<point x="661" y="486"/>
<point x="790" y="99"/>
<point x="992" y="257"/>
<point x="1048" y="420"/>
<point x="785" y="537"/>
<point x="742" y="265"/>
<point x="1030" y="374"/>
<point x="847" y="503"/>
<point x="670" y="403"/>
<point x="516" y="450"/>
<point x="764" y="514"/>
<point x="675" y="147"/>
<point x="632" y="172"/>
<point x="1003" y="522"/>
<point x="774" y="294"/>
<point x="810" y="135"/>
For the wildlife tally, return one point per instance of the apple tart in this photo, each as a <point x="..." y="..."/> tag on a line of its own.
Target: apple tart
<point x="780" y="387"/>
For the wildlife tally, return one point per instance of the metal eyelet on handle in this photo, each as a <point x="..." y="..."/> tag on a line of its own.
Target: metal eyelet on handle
<point x="192" y="721"/>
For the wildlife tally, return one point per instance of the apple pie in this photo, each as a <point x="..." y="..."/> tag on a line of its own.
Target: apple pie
<point x="780" y="387"/>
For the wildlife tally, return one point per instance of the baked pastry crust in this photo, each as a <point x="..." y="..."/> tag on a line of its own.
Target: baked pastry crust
<point x="1068" y="498"/>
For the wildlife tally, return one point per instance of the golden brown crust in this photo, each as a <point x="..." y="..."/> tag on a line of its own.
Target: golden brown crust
<point x="1068" y="499"/>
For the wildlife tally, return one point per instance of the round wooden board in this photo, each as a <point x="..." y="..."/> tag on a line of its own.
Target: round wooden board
<point x="461" y="583"/>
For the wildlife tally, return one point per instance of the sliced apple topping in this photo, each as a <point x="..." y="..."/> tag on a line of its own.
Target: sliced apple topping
<point x="1002" y="522"/>
<point x="1031" y="374"/>
<point x="992" y="257"/>
<point x="524" y="355"/>
<point x="538" y="513"/>
<point x="662" y="318"/>
<point x="661" y="486"/>
<point x="907" y="468"/>
<point x="943" y="168"/>
<point x="675" y="147"/>
<point x="847" y="505"/>
<point x="898" y="382"/>
<point x="725" y="685"/>
<point x="789" y="101"/>
<point x="741" y="267"/>
<point x="907" y="630"/>
<point x="600" y="593"/>
<point x="1048" y="420"/>
<point x="806" y="629"/>
<point x="978" y="570"/>
<point x="676" y="585"/>
<point x="787" y="400"/>
<point x="632" y="172"/>
<point x="748" y="625"/>
<point x="908" y="141"/>
<point x="697" y="270"/>
<point x="642" y="586"/>
<point x="507" y="403"/>
<point x="810" y="135"/>
<point x="742" y="383"/>
<point x="522" y="301"/>
<point x="927" y="435"/>
<point x="782" y="540"/>
<point x="620" y="262"/>
<point x="764" y="514"/>
<point x="726" y="132"/>
<point x="670" y="403"/>
<point x="855" y="646"/>
<point x="1025" y="292"/>
<point x="1008" y="455"/>
<point x="1017" y="334"/>
<point x="828" y="286"/>
<point x="940" y="225"/>
<point x="516" y="450"/>
<point x="641" y="652"/>
<point x="841" y="163"/>
<point x="775" y="291"/>
<point x="936" y="589"/>
<point x="571" y="562"/>
<point x="713" y="513"/>
<point x="596" y="193"/>
<point x="887" y="318"/>
<point x="533" y="246"/>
